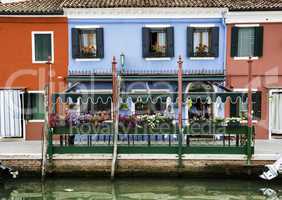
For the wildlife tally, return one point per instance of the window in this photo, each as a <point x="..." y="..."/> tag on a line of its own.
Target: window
<point x="247" y="41"/>
<point x="87" y="43"/>
<point x="42" y="47"/>
<point x="158" y="42"/>
<point x="240" y="109"/>
<point x="34" y="106"/>
<point x="203" y="42"/>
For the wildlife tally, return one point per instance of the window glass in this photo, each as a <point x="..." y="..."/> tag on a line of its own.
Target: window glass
<point x="88" y="43"/>
<point x="42" y="47"/>
<point x="201" y="42"/>
<point x="246" y="42"/>
<point x="158" y="46"/>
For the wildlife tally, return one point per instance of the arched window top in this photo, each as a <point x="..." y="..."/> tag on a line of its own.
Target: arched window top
<point x="200" y="87"/>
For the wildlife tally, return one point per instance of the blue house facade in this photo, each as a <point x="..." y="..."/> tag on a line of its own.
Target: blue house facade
<point x="147" y="47"/>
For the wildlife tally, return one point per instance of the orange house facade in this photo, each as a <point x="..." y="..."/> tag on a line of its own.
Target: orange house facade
<point x="27" y="44"/>
<point x="257" y="34"/>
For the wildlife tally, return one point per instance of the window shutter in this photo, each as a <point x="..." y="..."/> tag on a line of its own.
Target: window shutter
<point x="145" y="42"/>
<point x="75" y="42"/>
<point x="27" y="106"/>
<point x="170" y="42"/>
<point x="256" y="98"/>
<point x="190" y="41"/>
<point x="100" y="42"/>
<point x="215" y="41"/>
<point x="234" y="41"/>
<point x="233" y="110"/>
<point x="258" y="41"/>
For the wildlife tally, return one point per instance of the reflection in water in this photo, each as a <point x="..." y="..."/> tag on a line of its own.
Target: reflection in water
<point x="136" y="189"/>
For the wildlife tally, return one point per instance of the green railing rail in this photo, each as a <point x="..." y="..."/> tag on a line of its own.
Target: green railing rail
<point x="212" y="139"/>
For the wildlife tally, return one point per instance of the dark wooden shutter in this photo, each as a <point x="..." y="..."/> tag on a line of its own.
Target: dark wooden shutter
<point x="100" y="42"/>
<point x="170" y="42"/>
<point x="75" y="42"/>
<point x="258" y="51"/>
<point x="215" y="41"/>
<point x="145" y="42"/>
<point x="234" y="41"/>
<point x="190" y="42"/>
<point x="256" y="98"/>
<point x="27" y="106"/>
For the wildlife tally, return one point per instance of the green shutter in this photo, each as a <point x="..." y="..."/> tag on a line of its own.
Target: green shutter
<point x="43" y="47"/>
<point x="75" y="42"/>
<point x="100" y="42"/>
<point x="146" y="42"/>
<point x="34" y="106"/>
<point x="258" y="51"/>
<point x="170" y="42"/>
<point x="234" y="41"/>
<point x="190" y="42"/>
<point x="234" y="110"/>
<point x="215" y="41"/>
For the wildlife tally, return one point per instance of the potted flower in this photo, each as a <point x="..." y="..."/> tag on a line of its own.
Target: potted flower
<point x="124" y="110"/>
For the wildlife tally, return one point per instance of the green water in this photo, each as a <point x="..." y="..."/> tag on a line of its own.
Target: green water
<point x="137" y="189"/>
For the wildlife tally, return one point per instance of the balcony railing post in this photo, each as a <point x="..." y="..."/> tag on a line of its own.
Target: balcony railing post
<point x="250" y="125"/>
<point x="180" y="133"/>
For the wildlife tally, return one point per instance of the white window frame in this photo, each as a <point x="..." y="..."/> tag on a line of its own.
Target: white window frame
<point x="33" y="33"/>
<point x="36" y="92"/>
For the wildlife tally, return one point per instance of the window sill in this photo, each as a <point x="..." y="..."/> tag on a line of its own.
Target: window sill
<point x="42" y="62"/>
<point x="245" y="58"/>
<point x="87" y="59"/>
<point x="36" y="120"/>
<point x="202" y="58"/>
<point x="158" y="59"/>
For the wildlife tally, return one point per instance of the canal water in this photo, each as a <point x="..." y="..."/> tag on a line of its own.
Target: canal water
<point x="137" y="189"/>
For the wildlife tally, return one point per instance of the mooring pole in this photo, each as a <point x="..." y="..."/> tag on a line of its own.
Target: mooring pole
<point x="115" y="101"/>
<point x="180" y="133"/>
<point x="250" y="123"/>
<point x="46" y="121"/>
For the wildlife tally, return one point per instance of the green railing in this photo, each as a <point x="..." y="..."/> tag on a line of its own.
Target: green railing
<point x="201" y="139"/>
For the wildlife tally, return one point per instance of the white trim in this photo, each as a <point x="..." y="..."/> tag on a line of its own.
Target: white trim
<point x="158" y="59"/>
<point x="254" y="17"/>
<point x="157" y="25"/>
<point x="202" y="58"/>
<point x="36" y="91"/>
<point x="33" y="47"/>
<point x="245" y="58"/>
<point x="144" y="13"/>
<point x="202" y="25"/>
<point x="87" y="59"/>
<point x="87" y="26"/>
<point x="246" y="25"/>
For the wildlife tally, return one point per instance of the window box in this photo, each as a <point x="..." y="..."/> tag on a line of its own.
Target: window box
<point x="203" y="42"/>
<point x="87" y="43"/>
<point x="246" y="42"/>
<point x="158" y="42"/>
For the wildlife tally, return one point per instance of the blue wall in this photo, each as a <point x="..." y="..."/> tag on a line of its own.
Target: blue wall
<point x="125" y="36"/>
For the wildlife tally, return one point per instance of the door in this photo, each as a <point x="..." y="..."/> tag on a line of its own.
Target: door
<point x="275" y="112"/>
<point x="11" y="116"/>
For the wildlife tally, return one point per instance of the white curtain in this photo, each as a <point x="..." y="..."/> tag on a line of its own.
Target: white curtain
<point x="10" y="113"/>
<point x="246" y="43"/>
<point x="276" y="113"/>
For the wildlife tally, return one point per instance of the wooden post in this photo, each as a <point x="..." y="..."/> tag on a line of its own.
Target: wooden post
<point x="180" y="63"/>
<point x="250" y="124"/>
<point x="47" y="103"/>
<point x="115" y="102"/>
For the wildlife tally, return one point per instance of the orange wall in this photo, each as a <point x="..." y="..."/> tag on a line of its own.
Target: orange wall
<point x="267" y="70"/>
<point x="16" y="67"/>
